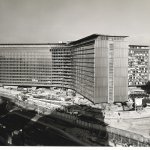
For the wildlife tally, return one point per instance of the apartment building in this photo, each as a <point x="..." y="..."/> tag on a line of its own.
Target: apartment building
<point x="95" y="66"/>
<point x="138" y="65"/>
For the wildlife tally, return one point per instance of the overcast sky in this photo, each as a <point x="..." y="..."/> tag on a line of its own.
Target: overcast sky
<point x="62" y="20"/>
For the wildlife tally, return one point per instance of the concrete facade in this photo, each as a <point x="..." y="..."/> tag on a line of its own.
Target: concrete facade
<point x="111" y="63"/>
<point x="138" y="65"/>
<point x="95" y="66"/>
<point x="101" y="68"/>
<point x="26" y="64"/>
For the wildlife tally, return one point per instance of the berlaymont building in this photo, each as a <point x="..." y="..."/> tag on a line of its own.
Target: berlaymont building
<point x="95" y="66"/>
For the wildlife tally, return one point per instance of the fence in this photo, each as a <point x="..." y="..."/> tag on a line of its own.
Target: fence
<point x="115" y="135"/>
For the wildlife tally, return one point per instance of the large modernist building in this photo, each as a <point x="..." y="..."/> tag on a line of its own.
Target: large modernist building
<point x="26" y="64"/>
<point x="100" y="67"/>
<point x="138" y="65"/>
<point x="95" y="66"/>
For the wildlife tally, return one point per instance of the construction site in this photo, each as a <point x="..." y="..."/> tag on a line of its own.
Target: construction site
<point x="69" y="106"/>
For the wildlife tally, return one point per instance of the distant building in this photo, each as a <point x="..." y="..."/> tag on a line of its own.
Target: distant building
<point x="95" y="66"/>
<point x="138" y="65"/>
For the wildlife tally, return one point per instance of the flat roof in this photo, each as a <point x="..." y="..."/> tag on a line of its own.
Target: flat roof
<point x="32" y="43"/>
<point x="138" y="45"/>
<point x="61" y="47"/>
<point x="94" y="36"/>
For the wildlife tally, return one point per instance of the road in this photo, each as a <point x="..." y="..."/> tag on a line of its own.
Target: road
<point x="133" y="121"/>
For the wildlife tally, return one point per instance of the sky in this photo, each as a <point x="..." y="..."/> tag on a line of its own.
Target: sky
<point x="34" y="21"/>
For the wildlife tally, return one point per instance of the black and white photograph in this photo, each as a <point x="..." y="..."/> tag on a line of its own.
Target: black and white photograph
<point x="74" y="73"/>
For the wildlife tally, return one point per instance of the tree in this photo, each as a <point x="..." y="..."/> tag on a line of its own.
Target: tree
<point x="146" y="88"/>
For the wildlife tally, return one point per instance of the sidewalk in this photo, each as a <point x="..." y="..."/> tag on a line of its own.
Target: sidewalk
<point x="136" y="122"/>
<point x="128" y="114"/>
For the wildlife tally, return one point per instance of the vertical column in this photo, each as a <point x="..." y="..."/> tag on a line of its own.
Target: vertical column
<point x="120" y="69"/>
<point x="110" y="72"/>
<point x="148" y="64"/>
<point x="101" y="70"/>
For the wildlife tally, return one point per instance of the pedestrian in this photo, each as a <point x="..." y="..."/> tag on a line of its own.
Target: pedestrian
<point x="118" y="117"/>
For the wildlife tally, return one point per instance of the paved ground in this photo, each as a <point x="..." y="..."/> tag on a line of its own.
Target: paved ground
<point x="137" y="122"/>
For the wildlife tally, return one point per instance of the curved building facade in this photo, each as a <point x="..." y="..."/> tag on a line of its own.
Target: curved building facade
<point x="95" y="66"/>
